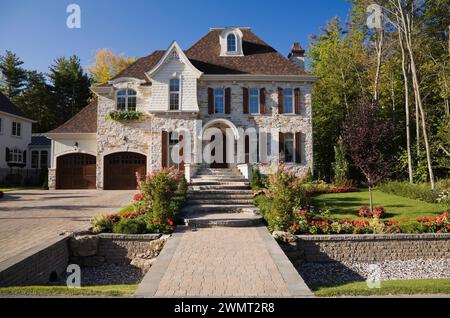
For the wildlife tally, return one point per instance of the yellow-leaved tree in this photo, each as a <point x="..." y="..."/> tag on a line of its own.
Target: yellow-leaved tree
<point x="107" y="65"/>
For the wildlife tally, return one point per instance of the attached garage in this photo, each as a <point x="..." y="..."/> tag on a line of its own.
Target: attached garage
<point x="76" y="171"/>
<point x="121" y="168"/>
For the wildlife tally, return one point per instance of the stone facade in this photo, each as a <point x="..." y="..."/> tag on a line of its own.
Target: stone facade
<point x="370" y="248"/>
<point x="152" y="82"/>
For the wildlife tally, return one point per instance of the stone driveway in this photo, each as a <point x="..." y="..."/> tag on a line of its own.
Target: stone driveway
<point x="29" y="218"/>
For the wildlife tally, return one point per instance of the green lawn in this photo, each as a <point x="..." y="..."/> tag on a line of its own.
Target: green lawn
<point x="110" y="290"/>
<point x="393" y="287"/>
<point x="346" y="205"/>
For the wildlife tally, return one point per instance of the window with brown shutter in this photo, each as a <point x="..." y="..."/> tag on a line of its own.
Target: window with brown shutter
<point x="280" y="101"/>
<point x="210" y="100"/>
<point x="262" y="100"/>
<point x="164" y="149"/>
<point x="298" y="147"/>
<point x="228" y="100"/>
<point x="297" y="99"/>
<point x="245" y="100"/>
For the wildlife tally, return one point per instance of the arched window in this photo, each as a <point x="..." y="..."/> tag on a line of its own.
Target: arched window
<point x="231" y="42"/>
<point x="126" y="100"/>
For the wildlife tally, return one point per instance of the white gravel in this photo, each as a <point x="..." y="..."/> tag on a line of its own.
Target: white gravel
<point x="108" y="274"/>
<point x="345" y="272"/>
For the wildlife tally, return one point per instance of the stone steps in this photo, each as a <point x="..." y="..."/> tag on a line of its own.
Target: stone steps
<point x="224" y="220"/>
<point x="220" y="197"/>
<point x="217" y="201"/>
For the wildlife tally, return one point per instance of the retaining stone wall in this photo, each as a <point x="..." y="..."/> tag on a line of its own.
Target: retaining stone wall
<point x="370" y="248"/>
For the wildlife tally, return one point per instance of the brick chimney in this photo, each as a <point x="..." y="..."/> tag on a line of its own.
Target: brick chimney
<point x="297" y="55"/>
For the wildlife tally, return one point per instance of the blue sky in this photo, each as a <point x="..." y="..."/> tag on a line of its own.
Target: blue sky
<point x="36" y="29"/>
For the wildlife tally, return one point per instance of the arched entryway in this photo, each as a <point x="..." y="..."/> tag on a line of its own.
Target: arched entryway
<point x="76" y="171"/>
<point x="120" y="170"/>
<point x="229" y="133"/>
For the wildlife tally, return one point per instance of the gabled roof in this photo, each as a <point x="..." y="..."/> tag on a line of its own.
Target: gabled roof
<point x="7" y="106"/>
<point x="82" y="123"/>
<point x="259" y="59"/>
<point x="174" y="48"/>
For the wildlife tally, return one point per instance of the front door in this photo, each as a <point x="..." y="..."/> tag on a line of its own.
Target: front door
<point x="223" y="164"/>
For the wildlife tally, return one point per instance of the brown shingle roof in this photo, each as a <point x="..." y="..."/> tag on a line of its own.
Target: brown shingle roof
<point x="259" y="57"/>
<point x="141" y="65"/>
<point x="83" y="122"/>
<point x="7" y="106"/>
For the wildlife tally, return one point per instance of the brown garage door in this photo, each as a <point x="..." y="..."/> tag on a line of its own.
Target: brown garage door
<point x="76" y="171"/>
<point x="121" y="168"/>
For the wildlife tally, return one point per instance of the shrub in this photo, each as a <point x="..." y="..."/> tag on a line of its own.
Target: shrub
<point x="160" y="187"/>
<point x="160" y="226"/>
<point x="264" y="204"/>
<point x="121" y="115"/>
<point x="377" y="212"/>
<point x="256" y="182"/>
<point x="102" y="224"/>
<point x="420" y="192"/>
<point x="130" y="226"/>
<point x="340" y="165"/>
<point x="287" y="194"/>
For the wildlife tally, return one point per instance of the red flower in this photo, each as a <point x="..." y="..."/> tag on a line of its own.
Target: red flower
<point x="440" y="231"/>
<point x="170" y="221"/>
<point x="138" y="197"/>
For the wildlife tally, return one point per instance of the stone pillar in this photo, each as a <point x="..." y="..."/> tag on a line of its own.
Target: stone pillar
<point x="52" y="179"/>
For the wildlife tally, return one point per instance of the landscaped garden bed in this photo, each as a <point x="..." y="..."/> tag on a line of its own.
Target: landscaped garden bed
<point x="155" y="209"/>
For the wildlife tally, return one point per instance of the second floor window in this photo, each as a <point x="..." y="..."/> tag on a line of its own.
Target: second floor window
<point x="288" y="101"/>
<point x="219" y="101"/>
<point x="126" y="100"/>
<point x="16" y="129"/>
<point x="253" y="101"/>
<point x="174" y="94"/>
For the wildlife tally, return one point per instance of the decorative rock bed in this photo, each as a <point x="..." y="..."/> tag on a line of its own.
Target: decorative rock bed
<point x="105" y="259"/>
<point x="335" y="259"/>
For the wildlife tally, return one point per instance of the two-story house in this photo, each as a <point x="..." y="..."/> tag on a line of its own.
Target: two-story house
<point x="24" y="157"/>
<point x="229" y="83"/>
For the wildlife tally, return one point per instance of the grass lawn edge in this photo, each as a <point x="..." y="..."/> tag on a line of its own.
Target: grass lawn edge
<point x="106" y="290"/>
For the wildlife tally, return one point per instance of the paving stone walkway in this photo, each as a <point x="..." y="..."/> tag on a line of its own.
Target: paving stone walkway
<point x="222" y="262"/>
<point x="29" y="218"/>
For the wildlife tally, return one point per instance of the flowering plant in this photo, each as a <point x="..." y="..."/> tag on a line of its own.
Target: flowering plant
<point x="439" y="224"/>
<point x="377" y="212"/>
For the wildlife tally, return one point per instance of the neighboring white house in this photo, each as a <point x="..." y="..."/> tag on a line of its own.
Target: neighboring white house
<point x="228" y="82"/>
<point x="18" y="147"/>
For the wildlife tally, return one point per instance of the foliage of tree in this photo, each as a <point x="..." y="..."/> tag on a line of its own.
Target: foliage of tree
<point x="107" y="65"/>
<point x="14" y="75"/>
<point x="36" y="101"/>
<point x="411" y="71"/>
<point x="366" y="136"/>
<point x="70" y="88"/>
<point x="340" y="165"/>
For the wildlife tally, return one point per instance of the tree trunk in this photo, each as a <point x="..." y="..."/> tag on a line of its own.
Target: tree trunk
<point x="379" y="50"/>
<point x="371" y="199"/>
<point x="406" y="23"/>
<point x="408" y="131"/>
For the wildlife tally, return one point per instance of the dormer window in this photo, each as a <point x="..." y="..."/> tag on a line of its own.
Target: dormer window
<point x="174" y="94"/>
<point x="231" y="43"/>
<point x="126" y="100"/>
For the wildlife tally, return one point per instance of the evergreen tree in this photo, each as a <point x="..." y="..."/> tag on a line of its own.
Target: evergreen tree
<point x="70" y="88"/>
<point x="340" y="165"/>
<point x="36" y="101"/>
<point x="14" y="75"/>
